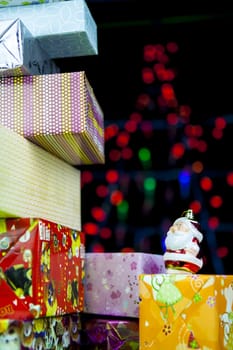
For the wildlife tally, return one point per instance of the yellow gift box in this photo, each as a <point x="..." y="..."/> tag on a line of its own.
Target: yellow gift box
<point x="181" y="311"/>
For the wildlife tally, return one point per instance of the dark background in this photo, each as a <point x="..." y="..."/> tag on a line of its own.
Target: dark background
<point x="204" y="74"/>
<point x="125" y="26"/>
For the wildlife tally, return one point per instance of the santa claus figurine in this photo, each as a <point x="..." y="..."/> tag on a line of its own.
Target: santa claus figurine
<point x="182" y="245"/>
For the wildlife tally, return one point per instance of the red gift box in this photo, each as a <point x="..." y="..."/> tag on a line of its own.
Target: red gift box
<point x="41" y="269"/>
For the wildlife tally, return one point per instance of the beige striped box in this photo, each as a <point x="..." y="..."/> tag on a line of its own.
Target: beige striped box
<point x="34" y="183"/>
<point x="58" y="112"/>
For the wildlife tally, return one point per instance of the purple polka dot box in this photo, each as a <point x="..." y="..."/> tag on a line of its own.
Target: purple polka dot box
<point x="111" y="283"/>
<point x="58" y="112"/>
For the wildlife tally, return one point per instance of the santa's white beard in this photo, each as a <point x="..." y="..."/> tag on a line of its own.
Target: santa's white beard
<point x="179" y="240"/>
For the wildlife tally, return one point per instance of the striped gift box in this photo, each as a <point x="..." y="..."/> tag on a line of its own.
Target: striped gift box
<point x="34" y="183"/>
<point x="63" y="28"/>
<point x="57" y="111"/>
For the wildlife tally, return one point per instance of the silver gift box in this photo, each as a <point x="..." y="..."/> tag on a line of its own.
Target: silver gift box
<point x="20" y="52"/>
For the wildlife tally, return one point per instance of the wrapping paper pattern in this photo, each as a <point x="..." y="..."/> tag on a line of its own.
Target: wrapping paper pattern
<point x="55" y="333"/>
<point x="179" y="311"/>
<point x="99" y="333"/>
<point x="6" y="3"/>
<point x="20" y="53"/>
<point x="41" y="269"/>
<point x="59" y="112"/>
<point x="34" y="183"/>
<point x="111" y="281"/>
<point x="63" y="29"/>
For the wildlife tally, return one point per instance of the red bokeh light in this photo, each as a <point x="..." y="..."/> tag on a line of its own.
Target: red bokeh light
<point x="206" y="183"/>
<point x="222" y="252"/>
<point x="105" y="233"/>
<point x="114" y="155"/>
<point x="143" y="101"/>
<point x="195" y="206"/>
<point x="86" y="177"/>
<point x="216" y="201"/>
<point x="122" y="139"/>
<point x="136" y="117"/>
<point x="131" y="126"/>
<point x="193" y="130"/>
<point x="98" y="214"/>
<point x="172" y="47"/>
<point x="127" y="250"/>
<point x="111" y="131"/>
<point x="90" y="228"/>
<point x="178" y="150"/>
<point x="202" y="146"/>
<point x="185" y="112"/>
<point x="192" y="142"/>
<point x="172" y="118"/>
<point x="217" y="133"/>
<point x="213" y="222"/>
<point x="116" y="197"/>
<point x="102" y="191"/>
<point x="98" y="248"/>
<point x="148" y="75"/>
<point x="229" y="179"/>
<point x="127" y="153"/>
<point x="150" y="53"/>
<point x="220" y="123"/>
<point x="112" y="176"/>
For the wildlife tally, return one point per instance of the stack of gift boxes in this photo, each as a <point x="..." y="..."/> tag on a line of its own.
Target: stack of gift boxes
<point x="50" y="123"/>
<point x="54" y="295"/>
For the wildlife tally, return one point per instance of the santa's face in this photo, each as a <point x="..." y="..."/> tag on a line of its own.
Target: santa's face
<point x="181" y="236"/>
<point x="178" y="239"/>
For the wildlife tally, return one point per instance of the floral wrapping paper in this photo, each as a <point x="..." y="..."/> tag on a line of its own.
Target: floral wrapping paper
<point x="181" y="312"/>
<point x="111" y="281"/>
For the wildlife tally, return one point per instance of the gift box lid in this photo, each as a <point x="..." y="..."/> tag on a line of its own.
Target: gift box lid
<point x="64" y="28"/>
<point x="20" y="52"/>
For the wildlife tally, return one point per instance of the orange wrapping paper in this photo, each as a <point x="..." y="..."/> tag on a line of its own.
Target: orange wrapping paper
<point x="179" y="312"/>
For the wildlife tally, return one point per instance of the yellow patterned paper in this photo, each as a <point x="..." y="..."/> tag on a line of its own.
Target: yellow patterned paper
<point x="181" y="312"/>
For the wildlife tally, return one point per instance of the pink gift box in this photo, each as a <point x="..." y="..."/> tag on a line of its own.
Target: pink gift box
<point x="111" y="281"/>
